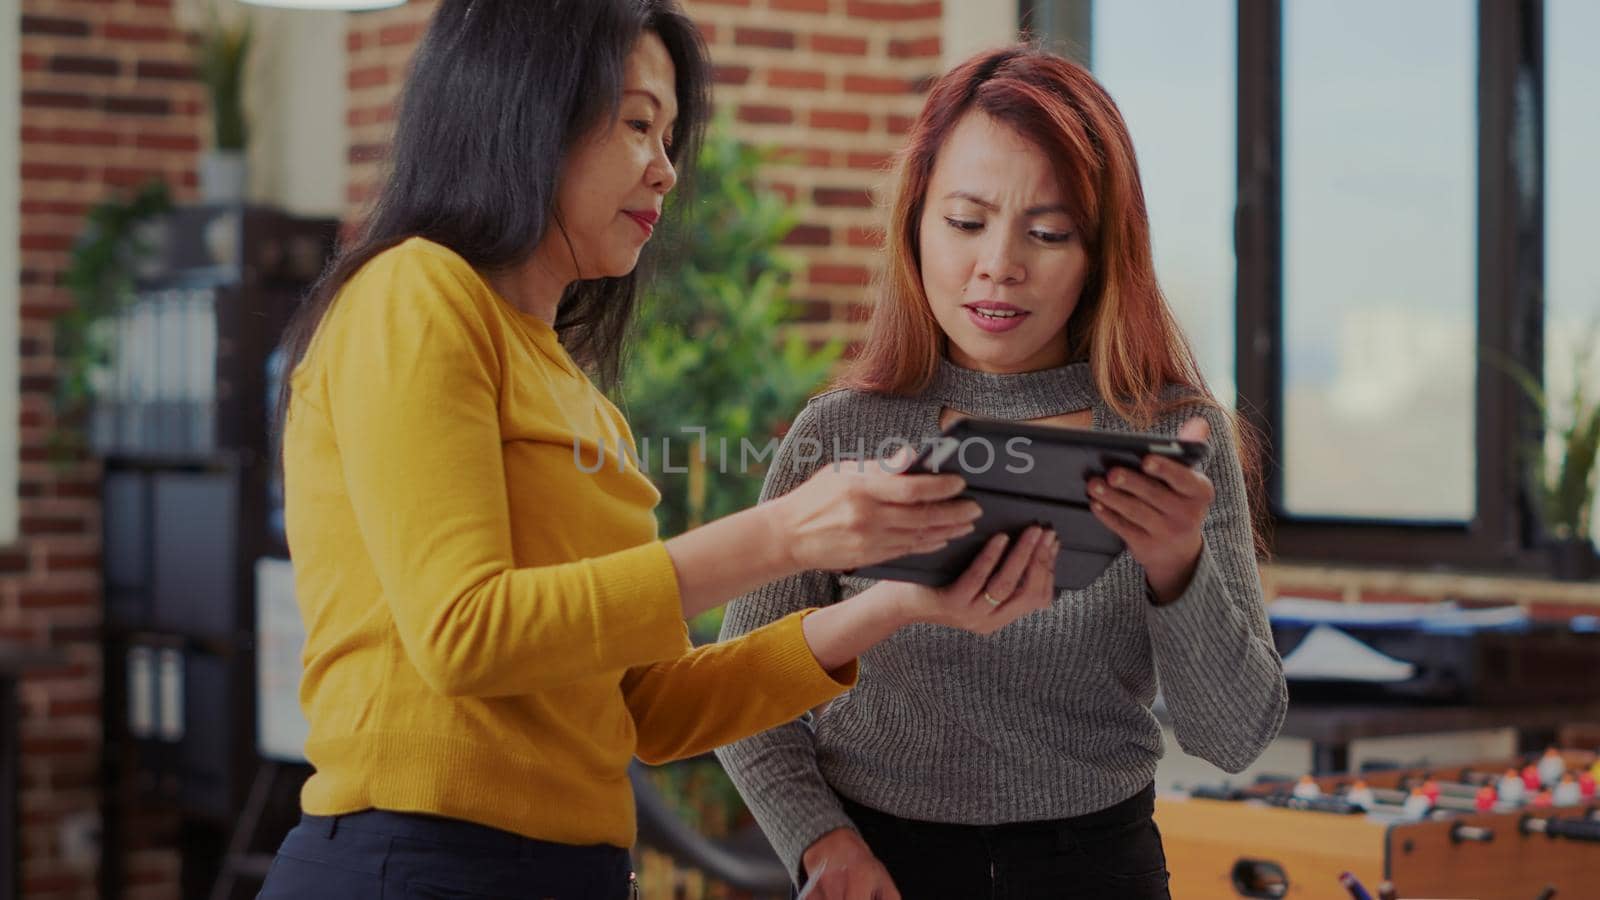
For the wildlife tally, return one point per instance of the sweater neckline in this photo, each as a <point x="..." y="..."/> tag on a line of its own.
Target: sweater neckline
<point x="1018" y="395"/>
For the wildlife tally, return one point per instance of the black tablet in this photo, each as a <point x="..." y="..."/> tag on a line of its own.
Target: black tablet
<point x="1025" y="474"/>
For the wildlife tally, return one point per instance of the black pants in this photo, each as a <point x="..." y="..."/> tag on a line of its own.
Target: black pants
<point x="400" y="856"/>
<point x="1113" y="854"/>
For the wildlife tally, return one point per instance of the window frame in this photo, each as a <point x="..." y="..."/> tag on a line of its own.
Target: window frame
<point x="1509" y="308"/>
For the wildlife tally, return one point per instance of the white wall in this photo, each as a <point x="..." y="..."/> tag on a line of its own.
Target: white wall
<point x="297" y="107"/>
<point x="10" y="265"/>
<point x="973" y="25"/>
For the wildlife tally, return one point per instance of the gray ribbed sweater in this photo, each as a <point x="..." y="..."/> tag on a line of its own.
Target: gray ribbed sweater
<point x="1048" y="717"/>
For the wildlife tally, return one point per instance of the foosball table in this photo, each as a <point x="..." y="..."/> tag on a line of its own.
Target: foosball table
<point x="1512" y="829"/>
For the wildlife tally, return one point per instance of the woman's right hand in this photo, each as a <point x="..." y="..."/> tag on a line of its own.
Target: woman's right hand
<point x="851" y="515"/>
<point x="990" y="595"/>
<point x="840" y="866"/>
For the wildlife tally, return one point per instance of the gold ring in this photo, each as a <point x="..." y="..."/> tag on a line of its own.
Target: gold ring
<point x="992" y="601"/>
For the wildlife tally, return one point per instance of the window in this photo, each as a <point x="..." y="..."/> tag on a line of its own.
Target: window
<point x="1379" y="282"/>
<point x="1377" y="230"/>
<point x="1171" y="68"/>
<point x="1572" y="192"/>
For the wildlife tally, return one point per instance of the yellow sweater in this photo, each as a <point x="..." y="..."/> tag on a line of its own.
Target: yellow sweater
<point x="492" y="632"/>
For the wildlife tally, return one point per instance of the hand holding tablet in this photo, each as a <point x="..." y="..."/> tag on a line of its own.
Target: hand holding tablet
<point x="1024" y="474"/>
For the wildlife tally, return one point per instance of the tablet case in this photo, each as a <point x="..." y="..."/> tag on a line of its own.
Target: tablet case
<point x="1042" y="480"/>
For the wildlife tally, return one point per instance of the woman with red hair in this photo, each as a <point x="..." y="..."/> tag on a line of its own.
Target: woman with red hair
<point x="1020" y="285"/>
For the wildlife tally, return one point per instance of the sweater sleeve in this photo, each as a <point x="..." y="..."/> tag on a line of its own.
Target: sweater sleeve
<point x="732" y="689"/>
<point x="776" y="771"/>
<point x="1217" y="665"/>
<point x="408" y="367"/>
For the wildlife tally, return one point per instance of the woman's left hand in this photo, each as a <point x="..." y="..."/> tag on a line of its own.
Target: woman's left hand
<point x="1158" y="512"/>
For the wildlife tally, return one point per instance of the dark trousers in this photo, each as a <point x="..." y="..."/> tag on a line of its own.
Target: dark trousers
<point x="1113" y="854"/>
<point x="401" y="856"/>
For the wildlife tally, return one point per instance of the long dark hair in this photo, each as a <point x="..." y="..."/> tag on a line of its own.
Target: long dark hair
<point x="499" y="92"/>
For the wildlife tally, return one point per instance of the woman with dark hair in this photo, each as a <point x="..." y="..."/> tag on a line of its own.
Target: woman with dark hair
<point x="1020" y="285"/>
<point x="493" y="628"/>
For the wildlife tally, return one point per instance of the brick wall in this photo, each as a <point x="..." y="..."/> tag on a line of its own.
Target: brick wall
<point x="833" y="84"/>
<point x="107" y="100"/>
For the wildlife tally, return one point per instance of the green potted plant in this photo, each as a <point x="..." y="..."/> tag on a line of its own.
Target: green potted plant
<point x="1563" y="468"/>
<point x="222" y="48"/>
<point x="709" y="352"/>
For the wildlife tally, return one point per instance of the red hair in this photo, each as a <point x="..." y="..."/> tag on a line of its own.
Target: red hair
<point x="1122" y="324"/>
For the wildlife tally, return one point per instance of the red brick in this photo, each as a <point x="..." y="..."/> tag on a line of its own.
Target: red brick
<point x="857" y="312"/>
<point x="371" y="76"/>
<point x="920" y="48"/>
<point x="787" y="191"/>
<point x="707" y="32"/>
<point x="82" y="706"/>
<point x="70" y="136"/>
<point x="84" y="65"/>
<point x="53" y="745"/>
<point x="52" y="524"/>
<point x="124" y="176"/>
<point x="13" y="561"/>
<point x="764" y="37"/>
<point x="824" y="273"/>
<point x="56" y="100"/>
<point x="810" y="6"/>
<point x="137" y="106"/>
<point x="186" y="143"/>
<point x="55" y="26"/>
<point x="47" y="242"/>
<point x="765" y="115"/>
<point x="158" y="70"/>
<point x="53" y="172"/>
<point x="874" y="84"/>
<point x="32" y="62"/>
<point x="892" y="12"/>
<point x="899" y="124"/>
<point x="839" y="44"/>
<point x="721" y="2"/>
<point x="370" y="115"/>
<point x="816" y="157"/>
<point x="363" y="152"/>
<point x="858" y="159"/>
<point x="63" y="672"/>
<point x="857" y="198"/>
<point x="730" y="74"/>
<point x="120" y="31"/>
<point x="839" y="120"/>
<point x="354" y="41"/>
<point x="72" y="562"/>
<point x="807" y="79"/>
<point x="392" y="35"/>
<point x="811" y="310"/>
<point x="809" y="236"/>
<point x="62" y="882"/>
<point x="860" y="236"/>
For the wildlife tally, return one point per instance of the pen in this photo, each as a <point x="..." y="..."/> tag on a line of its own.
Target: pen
<point x="1357" y="892"/>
